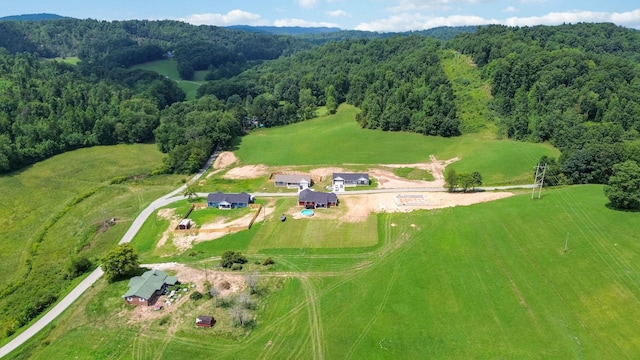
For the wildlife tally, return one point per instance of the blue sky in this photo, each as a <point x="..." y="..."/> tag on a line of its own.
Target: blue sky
<point x="372" y="15"/>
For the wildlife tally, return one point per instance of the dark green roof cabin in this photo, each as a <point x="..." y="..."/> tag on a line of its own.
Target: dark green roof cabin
<point x="146" y="289"/>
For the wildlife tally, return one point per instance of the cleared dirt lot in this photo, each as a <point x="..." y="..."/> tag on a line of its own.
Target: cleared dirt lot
<point x="352" y="208"/>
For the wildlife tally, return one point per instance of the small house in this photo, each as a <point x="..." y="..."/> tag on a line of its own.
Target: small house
<point x="184" y="224"/>
<point x="299" y="182"/>
<point x="317" y="200"/>
<point x="205" y="321"/>
<point x="147" y="288"/>
<point x="229" y="201"/>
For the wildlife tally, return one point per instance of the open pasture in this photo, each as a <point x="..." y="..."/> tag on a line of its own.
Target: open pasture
<point x="169" y="68"/>
<point x="57" y="209"/>
<point x="337" y="140"/>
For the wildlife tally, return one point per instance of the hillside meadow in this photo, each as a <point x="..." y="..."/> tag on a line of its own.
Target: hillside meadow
<point x="490" y="280"/>
<point x="169" y="68"/>
<point x="337" y="139"/>
<point x="55" y="209"/>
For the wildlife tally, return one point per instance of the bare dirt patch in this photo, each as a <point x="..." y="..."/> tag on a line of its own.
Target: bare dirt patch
<point x="184" y="242"/>
<point x="322" y="173"/>
<point x="167" y="214"/>
<point x="189" y="275"/>
<point x="356" y="208"/>
<point x="224" y="160"/>
<point x="247" y="172"/>
<point x="388" y="180"/>
<point x="433" y="200"/>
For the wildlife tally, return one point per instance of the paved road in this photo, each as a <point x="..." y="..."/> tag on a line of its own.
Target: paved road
<point x="142" y="217"/>
<point x="97" y="273"/>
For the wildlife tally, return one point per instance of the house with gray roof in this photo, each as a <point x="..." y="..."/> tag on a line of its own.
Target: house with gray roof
<point x="299" y="182"/>
<point x="317" y="200"/>
<point x="229" y="201"/>
<point x="145" y="289"/>
<point x="342" y="180"/>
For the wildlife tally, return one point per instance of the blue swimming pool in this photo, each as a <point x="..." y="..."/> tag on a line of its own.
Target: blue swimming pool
<point x="307" y="212"/>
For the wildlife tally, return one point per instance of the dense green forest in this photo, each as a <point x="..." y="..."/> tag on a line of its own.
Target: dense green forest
<point x="50" y="107"/>
<point x="397" y="82"/>
<point x="577" y="86"/>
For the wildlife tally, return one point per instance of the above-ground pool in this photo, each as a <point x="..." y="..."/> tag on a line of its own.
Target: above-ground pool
<point x="307" y="212"/>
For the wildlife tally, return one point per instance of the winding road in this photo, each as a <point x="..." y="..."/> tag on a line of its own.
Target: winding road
<point x="167" y="199"/>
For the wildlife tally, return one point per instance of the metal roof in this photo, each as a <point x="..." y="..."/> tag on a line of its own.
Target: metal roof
<point x="144" y="286"/>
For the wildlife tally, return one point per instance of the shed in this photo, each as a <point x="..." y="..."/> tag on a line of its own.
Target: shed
<point x="185" y="224"/>
<point x="205" y="321"/>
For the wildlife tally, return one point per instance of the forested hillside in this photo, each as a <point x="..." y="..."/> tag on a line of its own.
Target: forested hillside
<point x="104" y="44"/>
<point x="398" y="83"/>
<point x="577" y="86"/>
<point x="49" y="107"/>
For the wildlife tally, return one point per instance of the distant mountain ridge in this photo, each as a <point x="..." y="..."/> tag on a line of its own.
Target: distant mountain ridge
<point x="285" y="30"/>
<point x="32" y="17"/>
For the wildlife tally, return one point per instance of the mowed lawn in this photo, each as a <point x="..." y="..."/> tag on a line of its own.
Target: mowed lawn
<point x="323" y="230"/>
<point x="493" y="281"/>
<point x="338" y="139"/>
<point x="486" y="281"/>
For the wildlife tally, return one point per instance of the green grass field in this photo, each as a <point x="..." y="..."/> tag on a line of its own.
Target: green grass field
<point x="413" y="174"/>
<point x="500" y="162"/>
<point x="168" y="68"/>
<point x="73" y="60"/>
<point x="52" y="211"/>
<point x="485" y="281"/>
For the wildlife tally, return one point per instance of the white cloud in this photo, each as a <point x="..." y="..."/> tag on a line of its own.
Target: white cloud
<point x="406" y="22"/>
<point x="337" y="13"/>
<point x="303" y="23"/>
<point x="510" y="9"/>
<point x="630" y="18"/>
<point x="307" y="3"/>
<point x="233" y="17"/>
<point x="416" y="21"/>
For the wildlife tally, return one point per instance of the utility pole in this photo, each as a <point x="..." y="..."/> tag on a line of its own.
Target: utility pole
<point x="566" y="243"/>
<point x="539" y="180"/>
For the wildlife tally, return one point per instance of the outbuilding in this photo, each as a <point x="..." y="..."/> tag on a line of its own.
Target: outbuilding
<point x="205" y="321"/>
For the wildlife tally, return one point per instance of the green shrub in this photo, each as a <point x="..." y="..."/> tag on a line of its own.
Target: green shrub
<point x="229" y="258"/>
<point x="236" y="267"/>
<point x="118" y="180"/>
<point x="268" y="261"/>
<point x="196" y="295"/>
<point x="163" y="321"/>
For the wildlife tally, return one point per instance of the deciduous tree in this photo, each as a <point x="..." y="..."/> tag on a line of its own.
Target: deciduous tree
<point x="623" y="189"/>
<point x="120" y="262"/>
